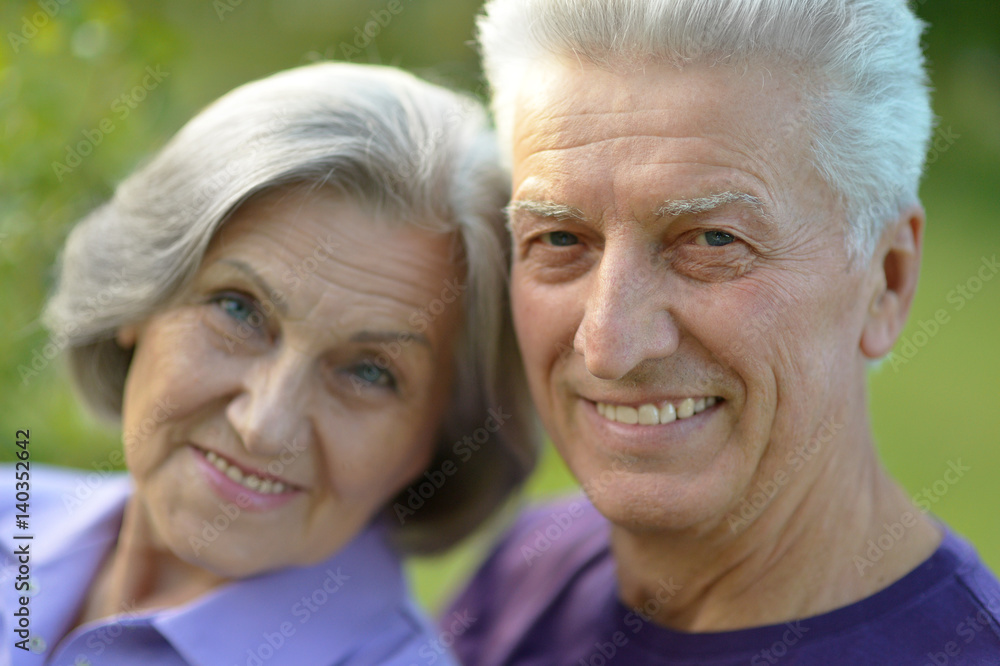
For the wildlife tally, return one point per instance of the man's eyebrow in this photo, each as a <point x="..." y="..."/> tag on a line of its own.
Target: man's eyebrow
<point x="677" y="207"/>
<point x="548" y="209"/>
<point x="671" y="208"/>
<point x="261" y="283"/>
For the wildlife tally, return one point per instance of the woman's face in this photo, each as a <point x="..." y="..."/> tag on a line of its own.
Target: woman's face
<point x="293" y="387"/>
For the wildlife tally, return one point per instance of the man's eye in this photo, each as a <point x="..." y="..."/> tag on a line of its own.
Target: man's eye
<point x="714" y="238"/>
<point x="370" y="373"/>
<point x="560" y="239"/>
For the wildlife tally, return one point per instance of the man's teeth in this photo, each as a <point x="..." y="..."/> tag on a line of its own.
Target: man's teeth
<point x="653" y="415"/>
<point x="251" y="481"/>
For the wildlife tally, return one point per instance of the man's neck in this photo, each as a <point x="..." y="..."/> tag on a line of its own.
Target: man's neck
<point x="798" y="558"/>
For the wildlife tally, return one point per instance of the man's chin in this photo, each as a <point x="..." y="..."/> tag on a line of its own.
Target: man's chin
<point x="651" y="505"/>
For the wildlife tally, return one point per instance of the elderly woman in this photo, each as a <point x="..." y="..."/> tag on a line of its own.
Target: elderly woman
<point x="297" y="311"/>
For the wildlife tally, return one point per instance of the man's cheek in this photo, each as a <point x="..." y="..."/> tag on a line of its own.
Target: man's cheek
<point x="543" y="331"/>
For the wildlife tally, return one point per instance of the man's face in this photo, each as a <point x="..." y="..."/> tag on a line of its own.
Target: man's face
<point x="682" y="292"/>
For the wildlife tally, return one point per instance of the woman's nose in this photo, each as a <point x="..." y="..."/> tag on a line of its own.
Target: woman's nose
<point x="271" y="410"/>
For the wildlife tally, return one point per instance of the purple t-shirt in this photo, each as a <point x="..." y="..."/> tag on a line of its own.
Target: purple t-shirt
<point x="548" y="596"/>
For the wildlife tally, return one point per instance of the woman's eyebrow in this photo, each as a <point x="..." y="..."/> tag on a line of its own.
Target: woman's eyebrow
<point x="364" y="337"/>
<point x="261" y="283"/>
<point x="402" y="337"/>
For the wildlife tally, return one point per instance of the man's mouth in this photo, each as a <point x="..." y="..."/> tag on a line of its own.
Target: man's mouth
<point x="655" y="414"/>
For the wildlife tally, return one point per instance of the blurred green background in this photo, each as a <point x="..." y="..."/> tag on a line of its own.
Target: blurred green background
<point x="65" y="67"/>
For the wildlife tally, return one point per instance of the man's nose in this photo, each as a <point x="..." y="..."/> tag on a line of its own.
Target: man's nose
<point x="625" y="321"/>
<point x="272" y="409"/>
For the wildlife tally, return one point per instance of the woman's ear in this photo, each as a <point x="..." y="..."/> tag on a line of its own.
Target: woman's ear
<point x="126" y="336"/>
<point x="895" y="268"/>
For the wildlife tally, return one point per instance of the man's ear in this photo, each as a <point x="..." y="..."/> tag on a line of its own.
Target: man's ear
<point x="895" y="268"/>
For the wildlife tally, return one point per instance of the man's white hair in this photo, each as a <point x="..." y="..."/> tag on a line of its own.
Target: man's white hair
<point x="867" y="102"/>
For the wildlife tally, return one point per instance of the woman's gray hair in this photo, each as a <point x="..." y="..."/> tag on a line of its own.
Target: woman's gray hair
<point x="408" y="149"/>
<point x="867" y="104"/>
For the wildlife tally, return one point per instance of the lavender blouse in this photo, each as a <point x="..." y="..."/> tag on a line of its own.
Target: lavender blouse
<point x="353" y="608"/>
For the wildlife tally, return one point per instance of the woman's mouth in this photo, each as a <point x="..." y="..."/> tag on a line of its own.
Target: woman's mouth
<point x="252" y="480"/>
<point x="251" y="489"/>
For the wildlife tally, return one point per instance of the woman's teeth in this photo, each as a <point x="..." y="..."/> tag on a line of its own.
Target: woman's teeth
<point x="653" y="415"/>
<point x="251" y="481"/>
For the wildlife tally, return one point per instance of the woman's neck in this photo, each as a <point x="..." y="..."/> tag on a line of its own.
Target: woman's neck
<point x="141" y="574"/>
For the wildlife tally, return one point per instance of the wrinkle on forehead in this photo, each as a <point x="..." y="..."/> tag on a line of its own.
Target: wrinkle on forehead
<point x="608" y="136"/>
<point x="357" y="317"/>
<point x="333" y="259"/>
<point x="590" y="104"/>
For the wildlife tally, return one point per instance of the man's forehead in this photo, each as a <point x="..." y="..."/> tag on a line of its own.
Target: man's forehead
<point x="560" y="105"/>
<point x="695" y="140"/>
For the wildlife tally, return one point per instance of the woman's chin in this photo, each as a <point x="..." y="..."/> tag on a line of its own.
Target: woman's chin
<point x="228" y="558"/>
<point x="232" y="556"/>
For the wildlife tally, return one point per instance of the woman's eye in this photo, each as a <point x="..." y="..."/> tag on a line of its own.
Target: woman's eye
<point x="370" y="373"/>
<point x="714" y="238"/>
<point x="238" y="307"/>
<point x="560" y="239"/>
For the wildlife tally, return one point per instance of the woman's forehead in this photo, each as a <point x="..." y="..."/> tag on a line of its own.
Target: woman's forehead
<point x="322" y="252"/>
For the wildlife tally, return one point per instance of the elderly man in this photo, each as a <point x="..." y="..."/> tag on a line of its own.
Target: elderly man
<point x="715" y="231"/>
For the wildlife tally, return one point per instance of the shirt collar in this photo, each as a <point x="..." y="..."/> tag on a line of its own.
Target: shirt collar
<point x="315" y="614"/>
